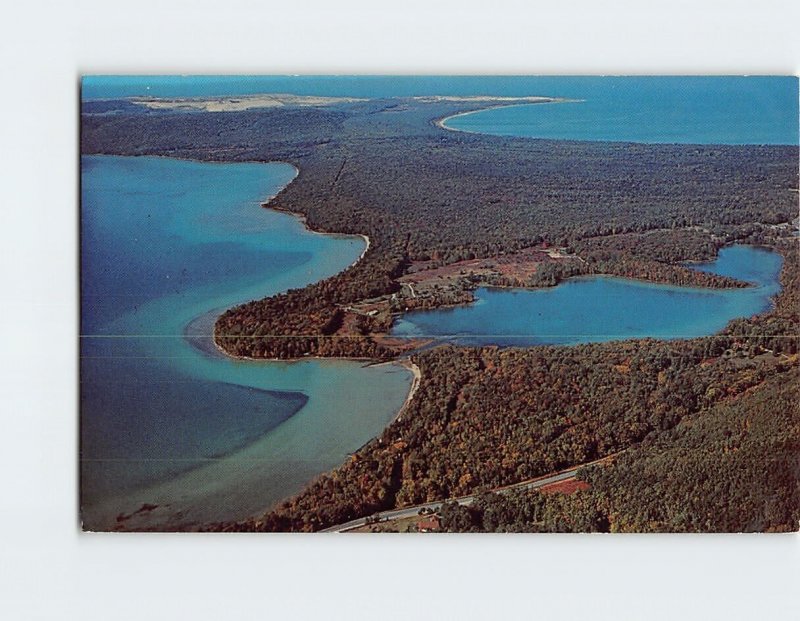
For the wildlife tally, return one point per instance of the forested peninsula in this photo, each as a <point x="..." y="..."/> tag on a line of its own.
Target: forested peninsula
<point x="446" y="212"/>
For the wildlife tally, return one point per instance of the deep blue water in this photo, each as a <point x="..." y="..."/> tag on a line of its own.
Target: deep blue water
<point x="596" y="309"/>
<point x="151" y="229"/>
<point x="703" y="110"/>
<point x="165" y="242"/>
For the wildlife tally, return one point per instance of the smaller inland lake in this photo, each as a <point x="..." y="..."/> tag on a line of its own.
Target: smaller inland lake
<point x="603" y="308"/>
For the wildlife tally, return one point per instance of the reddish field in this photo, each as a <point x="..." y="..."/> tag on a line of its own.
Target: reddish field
<point x="569" y="487"/>
<point x="520" y="265"/>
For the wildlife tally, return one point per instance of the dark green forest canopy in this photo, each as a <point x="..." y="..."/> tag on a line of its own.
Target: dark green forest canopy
<point x="732" y="468"/>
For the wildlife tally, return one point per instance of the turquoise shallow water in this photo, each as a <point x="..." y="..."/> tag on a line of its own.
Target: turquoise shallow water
<point x="165" y="422"/>
<point x="595" y="309"/>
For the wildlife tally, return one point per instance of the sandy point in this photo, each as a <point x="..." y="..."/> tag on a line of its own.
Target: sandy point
<point x="406" y="363"/>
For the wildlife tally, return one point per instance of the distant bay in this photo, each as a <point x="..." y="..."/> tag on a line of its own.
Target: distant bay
<point x="760" y="111"/>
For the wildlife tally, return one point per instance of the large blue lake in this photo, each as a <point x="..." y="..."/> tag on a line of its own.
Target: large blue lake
<point x="595" y="309"/>
<point x="166" y="246"/>
<point x="694" y="109"/>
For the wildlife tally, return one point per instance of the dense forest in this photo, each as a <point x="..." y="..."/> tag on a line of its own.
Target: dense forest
<point x="731" y="468"/>
<point x="487" y="417"/>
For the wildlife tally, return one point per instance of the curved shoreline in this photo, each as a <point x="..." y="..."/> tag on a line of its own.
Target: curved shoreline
<point x="304" y="220"/>
<point x="367" y="416"/>
<point x="405" y="363"/>
<point x="416" y="373"/>
<point x="442" y="122"/>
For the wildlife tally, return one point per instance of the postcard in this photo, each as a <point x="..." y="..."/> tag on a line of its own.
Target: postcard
<point x="439" y="304"/>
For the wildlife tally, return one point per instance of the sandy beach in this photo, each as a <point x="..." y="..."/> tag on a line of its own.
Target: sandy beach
<point x="505" y="102"/>
<point x="238" y="104"/>
<point x="415" y="371"/>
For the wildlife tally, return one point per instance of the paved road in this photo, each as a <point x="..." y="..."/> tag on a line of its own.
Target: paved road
<point x="464" y="500"/>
